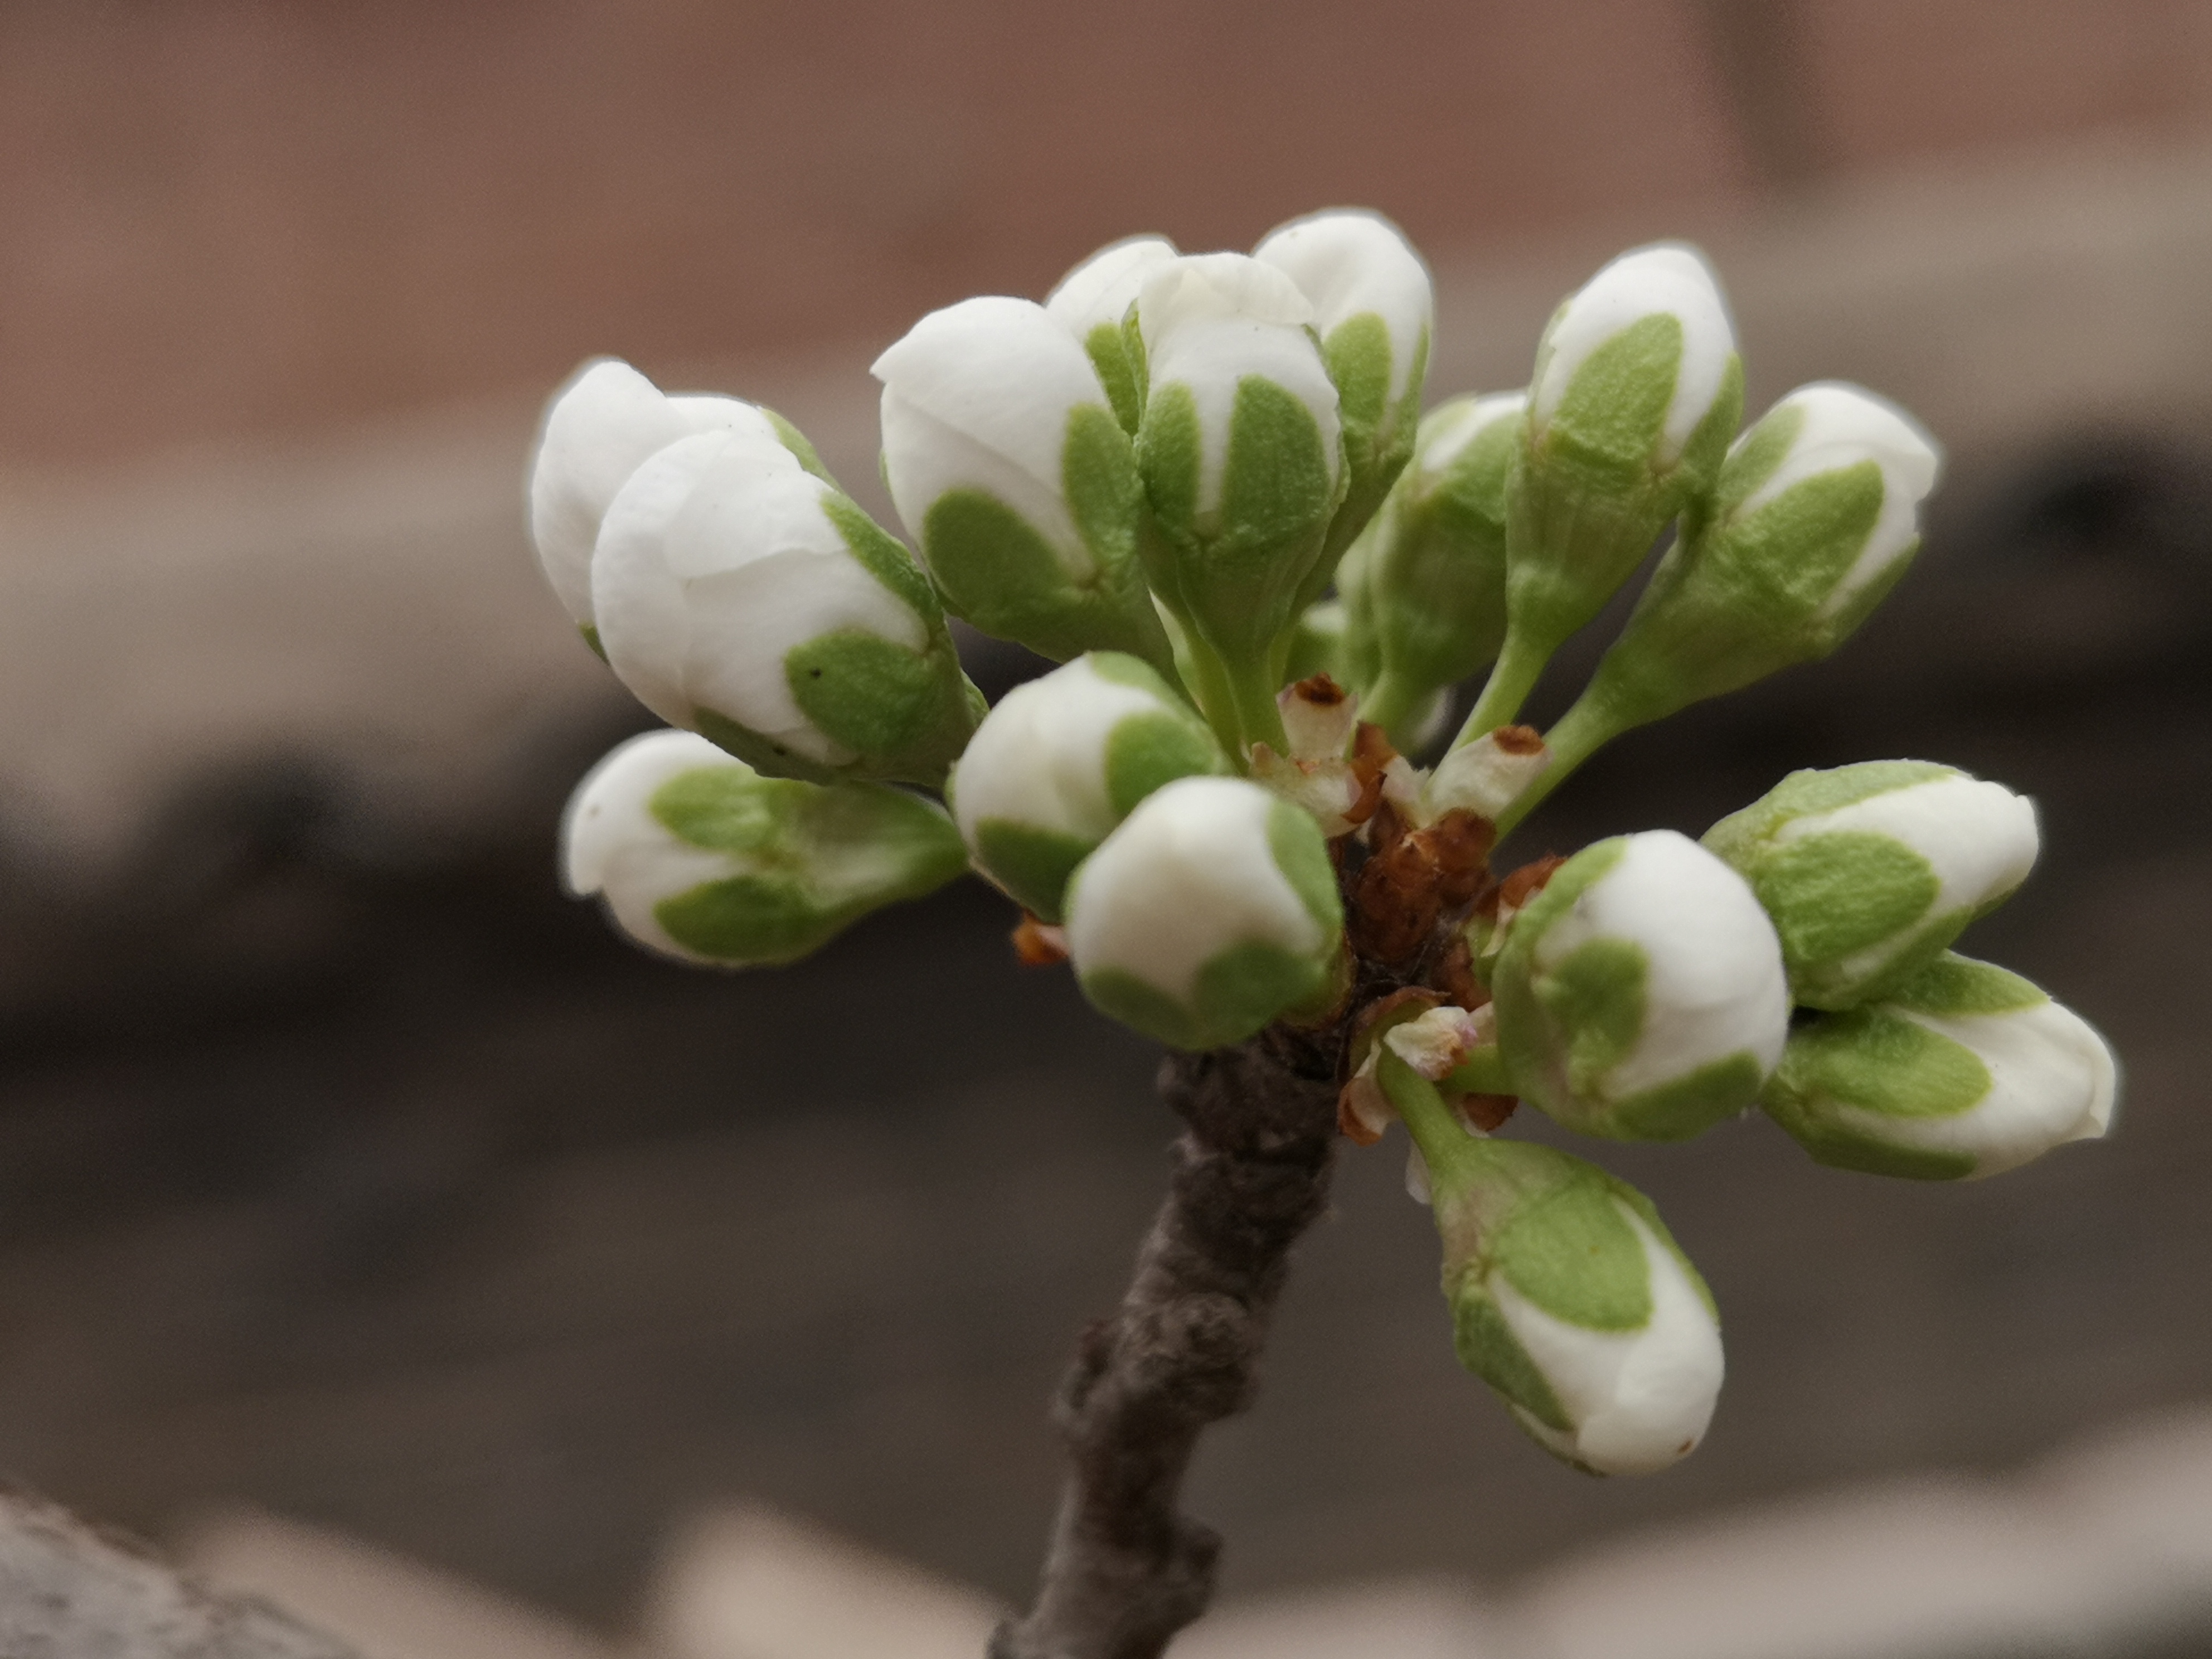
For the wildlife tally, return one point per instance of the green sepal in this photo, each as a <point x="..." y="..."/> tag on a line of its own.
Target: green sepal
<point x="591" y="636"/>
<point x="1234" y="577"/>
<point x="1031" y="864"/>
<point x="1234" y="994"/>
<point x="796" y="441"/>
<point x="820" y="859"/>
<point x="1585" y="503"/>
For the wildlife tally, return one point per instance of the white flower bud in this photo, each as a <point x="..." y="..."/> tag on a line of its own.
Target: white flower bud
<point x="1093" y="303"/>
<point x="1241" y="455"/>
<point x="1015" y="478"/>
<point x="596" y="430"/>
<point x="1641" y="993"/>
<point x="1349" y="265"/>
<point x="1638" y="391"/>
<point x="1211" y="911"/>
<point x="1375" y="312"/>
<point x="1061" y="760"/>
<point x="1569" y="1298"/>
<point x="1657" y="315"/>
<point x="1427" y="578"/>
<point x="698" y="857"/>
<point x="1869" y="870"/>
<point x="1815" y="517"/>
<point x="741" y="596"/>
<point x="1962" y="1070"/>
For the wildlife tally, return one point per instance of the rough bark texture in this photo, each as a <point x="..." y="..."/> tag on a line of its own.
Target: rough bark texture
<point x="1124" y="1571"/>
<point x="67" y="1592"/>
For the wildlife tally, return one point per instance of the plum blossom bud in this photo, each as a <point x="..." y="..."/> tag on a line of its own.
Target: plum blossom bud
<point x="1241" y="455"/>
<point x="1009" y="467"/>
<point x="1962" y="1070"/>
<point x="1375" y="310"/>
<point x="1062" y="760"/>
<point x="1815" y="517"/>
<point x="740" y="596"/>
<point x="1430" y="570"/>
<point x="596" y="430"/>
<point x="1869" y="870"/>
<point x="697" y="856"/>
<point x="1211" y="911"/>
<point x="1573" y="1301"/>
<point x="1638" y="391"/>
<point x="1641" y="995"/>
<point x="1093" y="303"/>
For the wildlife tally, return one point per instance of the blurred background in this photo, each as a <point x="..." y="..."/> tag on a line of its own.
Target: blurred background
<point x="359" y="1193"/>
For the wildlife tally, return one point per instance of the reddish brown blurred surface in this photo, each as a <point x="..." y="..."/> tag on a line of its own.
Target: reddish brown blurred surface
<point x="231" y="219"/>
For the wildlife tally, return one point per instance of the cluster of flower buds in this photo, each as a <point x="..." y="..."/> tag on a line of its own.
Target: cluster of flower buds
<point x="1211" y="809"/>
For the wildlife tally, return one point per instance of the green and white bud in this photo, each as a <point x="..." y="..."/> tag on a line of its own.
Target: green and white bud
<point x="1061" y="760"/>
<point x="596" y="430"/>
<point x="1870" y="870"/>
<point x="698" y="857"/>
<point x="1815" y="517"/>
<point x="1375" y="310"/>
<point x="743" y="597"/>
<point x="1431" y="568"/>
<point x="1093" y="303"/>
<point x="1241" y="455"/>
<point x="1637" y="393"/>
<point x="1012" y="473"/>
<point x="1962" y="1070"/>
<point x="1567" y="1294"/>
<point x="1211" y="910"/>
<point x="1641" y="995"/>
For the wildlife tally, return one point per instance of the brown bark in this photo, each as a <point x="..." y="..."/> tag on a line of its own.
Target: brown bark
<point x="67" y="1592"/>
<point x="1125" y="1569"/>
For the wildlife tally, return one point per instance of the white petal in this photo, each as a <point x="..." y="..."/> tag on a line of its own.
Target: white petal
<point x="596" y="430"/>
<point x="716" y="559"/>
<point x="1208" y="321"/>
<point x="1006" y="376"/>
<point x="1639" y="1400"/>
<point x="1843" y="425"/>
<point x="607" y="811"/>
<point x="1103" y="287"/>
<point x="1347" y="262"/>
<point x="1980" y="839"/>
<point x="1715" y="985"/>
<point x="1039" y="758"/>
<point x="1187" y="875"/>
<point x="2052" y="1079"/>
<point x="1667" y="277"/>
<point x="924" y="458"/>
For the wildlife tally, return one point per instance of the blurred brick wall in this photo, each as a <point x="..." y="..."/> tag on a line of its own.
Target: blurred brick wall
<point x="230" y="220"/>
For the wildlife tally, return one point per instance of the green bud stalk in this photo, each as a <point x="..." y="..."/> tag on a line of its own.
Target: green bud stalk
<point x="1815" y="519"/>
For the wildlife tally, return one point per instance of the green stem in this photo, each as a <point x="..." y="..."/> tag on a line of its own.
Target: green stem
<point x="1390" y="701"/>
<point x="1445" y="1145"/>
<point x="1512" y="677"/>
<point x="1482" y="1072"/>
<point x="1581" y="732"/>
